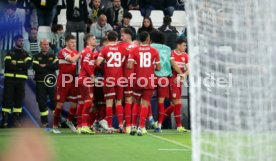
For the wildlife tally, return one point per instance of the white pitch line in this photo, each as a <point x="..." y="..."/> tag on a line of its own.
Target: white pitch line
<point x="170" y="141"/>
<point x="173" y="149"/>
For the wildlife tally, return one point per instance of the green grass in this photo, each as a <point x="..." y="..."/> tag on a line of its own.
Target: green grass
<point x="167" y="146"/>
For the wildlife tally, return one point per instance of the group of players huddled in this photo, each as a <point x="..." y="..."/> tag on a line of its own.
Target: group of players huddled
<point x="128" y="71"/>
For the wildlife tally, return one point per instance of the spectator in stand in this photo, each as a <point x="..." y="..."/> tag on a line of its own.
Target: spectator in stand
<point x="77" y="16"/>
<point x="95" y="9"/>
<point x="169" y="31"/>
<point x="126" y="24"/>
<point x="133" y="5"/>
<point x="10" y="26"/>
<point x="32" y="44"/>
<point x="146" y="6"/>
<point x="115" y="14"/>
<point x="46" y="10"/>
<point x="58" y="39"/>
<point x="100" y="28"/>
<point x="146" y="26"/>
<point x="106" y="3"/>
<point x="180" y="5"/>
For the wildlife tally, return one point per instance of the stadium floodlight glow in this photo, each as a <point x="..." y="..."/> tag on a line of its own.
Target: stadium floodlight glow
<point x="238" y="37"/>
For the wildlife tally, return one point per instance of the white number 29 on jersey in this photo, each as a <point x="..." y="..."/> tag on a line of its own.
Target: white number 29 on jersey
<point x="115" y="59"/>
<point x="145" y="59"/>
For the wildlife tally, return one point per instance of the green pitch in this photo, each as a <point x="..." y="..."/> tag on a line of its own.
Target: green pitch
<point x="167" y="146"/>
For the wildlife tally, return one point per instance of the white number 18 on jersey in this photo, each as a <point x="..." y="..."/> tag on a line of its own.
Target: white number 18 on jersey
<point x="145" y="59"/>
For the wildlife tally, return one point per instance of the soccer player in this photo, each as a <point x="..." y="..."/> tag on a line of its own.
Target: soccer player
<point x="126" y="45"/>
<point x="85" y="82"/>
<point x="181" y="59"/>
<point x="113" y="72"/>
<point x="147" y="60"/>
<point x="158" y="39"/>
<point x="66" y="90"/>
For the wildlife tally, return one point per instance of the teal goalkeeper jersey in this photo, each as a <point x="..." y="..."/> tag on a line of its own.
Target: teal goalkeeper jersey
<point x="164" y="53"/>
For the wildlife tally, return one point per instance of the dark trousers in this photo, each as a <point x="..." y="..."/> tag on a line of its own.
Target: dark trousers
<point x="46" y="17"/>
<point x="13" y="96"/>
<point x="42" y="94"/>
<point x="14" y="93"/>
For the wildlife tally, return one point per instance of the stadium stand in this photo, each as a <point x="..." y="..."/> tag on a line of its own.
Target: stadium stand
<point x="44" y="32"/>
<point x="179" y="20"/>
<point x="137" y="19"/>
<point x="62" y="18"/>
<point x="157" y="17"/>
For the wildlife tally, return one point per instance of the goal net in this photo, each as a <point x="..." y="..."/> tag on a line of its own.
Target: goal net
<point x="232" y="48"/>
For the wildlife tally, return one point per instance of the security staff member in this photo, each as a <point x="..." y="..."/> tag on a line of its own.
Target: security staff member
<point x="17" y="62"/>
<point x="45" y="66"/>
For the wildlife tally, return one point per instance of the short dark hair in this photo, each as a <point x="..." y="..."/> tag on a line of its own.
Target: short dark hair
<point x="16" y="37"/>
<point x="112" y="36"/>
<point x="127" y="15"/>
<point x="56" y="28"/>
<point x="180" y="41"/>
<point x="157" y="37"/>
<point x="143" y="36"/>
<point x="87" y="37"/>
<point x="167" y="20"/>
<point x="69" y="37"/>
<point x="127" y="31"/>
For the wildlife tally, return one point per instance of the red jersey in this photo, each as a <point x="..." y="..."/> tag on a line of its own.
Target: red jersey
<point x="145" y="57"/>
<point x="126" y="47"/>
<point x="181" y="60"/>
<point x="87" y="62"/>
<point x="114" y="58"/>
<point x="66" y="67"/>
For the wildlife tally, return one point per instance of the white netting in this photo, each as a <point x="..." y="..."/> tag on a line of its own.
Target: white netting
<point x="232" y="47"/>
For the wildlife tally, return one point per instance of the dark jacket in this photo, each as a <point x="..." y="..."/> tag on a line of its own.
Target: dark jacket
<point x="145" y="29"/>
<point x="22" y="62"/>
<point x="170" y="33"/>
<point x="114" y="17"/>
<point x="77" y="14"/>
<point x="51" y="65"/>
<point x="50" y="4"/>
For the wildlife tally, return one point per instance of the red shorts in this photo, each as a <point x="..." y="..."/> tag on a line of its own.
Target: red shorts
<point x="145" y="94"/>
<point x="68" y="93"/>
<point x="175" y="89"/>
<point x="163" y="87"/>
<point x="85" y="93"/>
<point x="115" y="92"/>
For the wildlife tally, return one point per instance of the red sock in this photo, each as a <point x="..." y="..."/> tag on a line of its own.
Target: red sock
<point x="56" y="117"/>
<point x="79" y="112"/>
<point x="168" y="111"/>
<point x="177" y="114"/>
<point x="134" y="114"/>
<point x="109" y="114"/>
<point x="128" y="114"/>
<point x="150" y="111"/>
<point x="161" y="110"/>
<point x="85" y="113"/>
<point x="92" y="118"/>
<point x="119" y="113"/>
<point x="102" y="112"/>
<point x="143" y="116"/>
<point x="71" y="113"/>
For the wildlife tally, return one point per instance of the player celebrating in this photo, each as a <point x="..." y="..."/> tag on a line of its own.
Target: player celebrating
<point x="66" y="91"/>
<point x="113" y="72"/>
<point x="146" y="59"/>
<point x="85" y="81"/>
<point x="181" y="59"/>
<point x="126" y="45"/>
